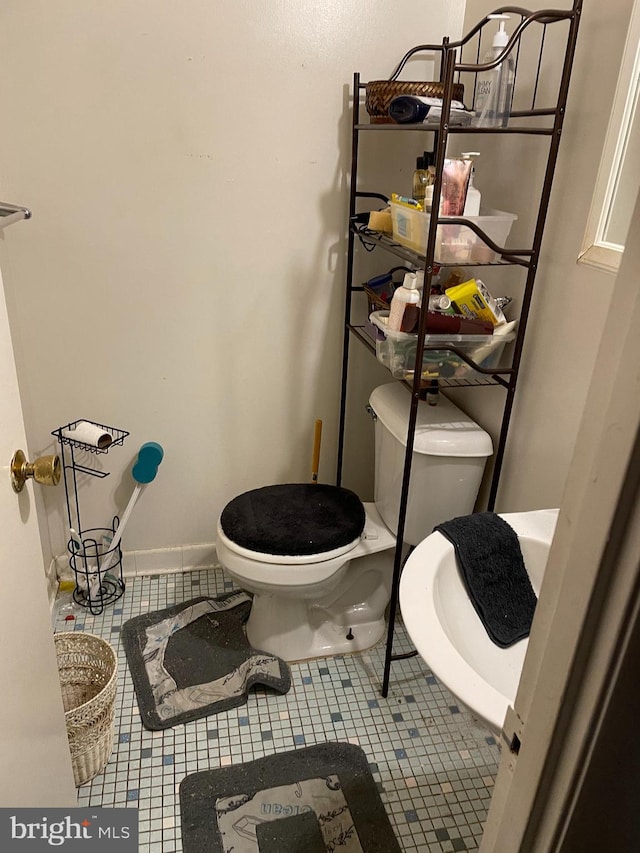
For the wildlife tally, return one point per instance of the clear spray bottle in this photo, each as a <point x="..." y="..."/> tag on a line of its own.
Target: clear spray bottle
<point x="494" y="88"/>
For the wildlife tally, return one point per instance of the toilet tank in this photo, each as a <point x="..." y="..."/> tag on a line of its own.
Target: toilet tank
<point x="449" y="454"/>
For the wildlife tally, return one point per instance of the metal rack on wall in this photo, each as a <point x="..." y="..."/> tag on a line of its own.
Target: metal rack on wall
<point x="459" y="62"/>
<point x="89" y="548"/>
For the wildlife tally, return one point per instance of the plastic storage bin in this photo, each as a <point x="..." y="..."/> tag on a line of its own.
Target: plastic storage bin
<point x="455" y="244"/>
<point x="397" y="351"/>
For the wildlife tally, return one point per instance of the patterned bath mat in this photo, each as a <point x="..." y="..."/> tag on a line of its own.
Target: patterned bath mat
<point x="193" y="659"/>
<point x="317" y="799"/>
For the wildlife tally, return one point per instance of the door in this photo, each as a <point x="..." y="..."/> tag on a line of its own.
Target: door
<point x="36" y="765"/>
<point x="584" y="634"/>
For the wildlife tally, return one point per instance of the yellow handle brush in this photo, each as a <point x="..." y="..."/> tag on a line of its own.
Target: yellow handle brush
<point x="315" y="464"/>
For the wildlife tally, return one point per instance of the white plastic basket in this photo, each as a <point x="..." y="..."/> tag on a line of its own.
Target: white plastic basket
<point x="454" y="243"/>
<point x="397" y="351"/>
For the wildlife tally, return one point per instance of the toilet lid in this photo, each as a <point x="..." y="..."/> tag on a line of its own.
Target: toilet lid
<point x="296" y="519"/>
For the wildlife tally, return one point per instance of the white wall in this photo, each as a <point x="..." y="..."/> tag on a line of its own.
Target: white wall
<point x="570" y="300"/>
<point x="183" y="274"/>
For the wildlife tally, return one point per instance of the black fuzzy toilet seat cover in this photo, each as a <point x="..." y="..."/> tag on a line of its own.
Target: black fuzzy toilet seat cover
<point x="296" y="519"/>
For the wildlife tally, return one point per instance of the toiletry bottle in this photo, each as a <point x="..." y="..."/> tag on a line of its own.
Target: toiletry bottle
<point x="419" y="181"/>
<point x="430" y="166"/>
<point x="440" y="302"/>
<point x="428" y="198"/>
<point x="472" y="202"/>
<point x="494" y="88"/>
<point x="430" y="179"/>
<point x="455" y="275"/>
<point x="403" y="315"/>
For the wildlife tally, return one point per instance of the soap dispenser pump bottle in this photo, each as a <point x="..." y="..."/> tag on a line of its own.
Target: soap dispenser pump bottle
<point x="494" y="87"/>
<point x="472" y="201"/>
<point x="404" y="311"/>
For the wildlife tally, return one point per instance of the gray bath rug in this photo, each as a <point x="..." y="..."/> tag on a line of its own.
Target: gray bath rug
<point x="320" y="799"/>
<point x="193" y="659"/>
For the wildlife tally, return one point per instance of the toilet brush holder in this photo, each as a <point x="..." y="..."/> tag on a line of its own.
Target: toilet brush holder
<point x="97" y="568"/>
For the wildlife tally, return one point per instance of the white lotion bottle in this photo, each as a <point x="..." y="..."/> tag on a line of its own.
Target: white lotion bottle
<point x="472" y="202"/>
<point x="404" y="311"/>
<point x="494" y="88"/>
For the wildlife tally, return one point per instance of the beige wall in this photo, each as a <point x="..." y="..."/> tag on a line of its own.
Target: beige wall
<point x="570" y="299"/>
<point x="183" y="274"/>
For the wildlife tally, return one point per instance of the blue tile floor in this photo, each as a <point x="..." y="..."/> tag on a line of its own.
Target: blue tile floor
<point x="434" y="764"/>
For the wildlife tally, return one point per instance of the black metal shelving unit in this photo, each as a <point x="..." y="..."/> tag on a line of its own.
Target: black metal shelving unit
<point x="460" y="62"/>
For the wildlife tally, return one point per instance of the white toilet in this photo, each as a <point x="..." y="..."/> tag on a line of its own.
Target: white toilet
<point x="318" y="561"/>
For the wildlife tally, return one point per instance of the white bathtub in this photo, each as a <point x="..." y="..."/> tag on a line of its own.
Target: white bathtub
<point x="447" y="631"/>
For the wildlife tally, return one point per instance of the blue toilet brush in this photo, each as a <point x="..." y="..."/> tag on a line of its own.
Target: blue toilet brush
<point x="143" y="472"/>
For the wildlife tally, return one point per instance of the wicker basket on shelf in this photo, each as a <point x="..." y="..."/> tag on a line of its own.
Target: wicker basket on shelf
<point x="380" y="93"/>
<point x="88" y="669"/>
<point x="375" y="302"/>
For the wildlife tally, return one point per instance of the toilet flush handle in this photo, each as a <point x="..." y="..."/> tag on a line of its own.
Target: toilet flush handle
<point x="372" y="413"/>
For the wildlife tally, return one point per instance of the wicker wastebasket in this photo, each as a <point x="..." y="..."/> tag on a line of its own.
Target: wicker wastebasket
<point x="88" y="669"/>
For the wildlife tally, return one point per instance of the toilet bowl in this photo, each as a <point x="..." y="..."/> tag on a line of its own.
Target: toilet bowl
<point x="318" y="561"/>
<point x="319" y="604"/>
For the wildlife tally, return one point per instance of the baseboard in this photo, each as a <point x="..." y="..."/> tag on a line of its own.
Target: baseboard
<point x="149" y="561"/>
<point x="158" y="561"/>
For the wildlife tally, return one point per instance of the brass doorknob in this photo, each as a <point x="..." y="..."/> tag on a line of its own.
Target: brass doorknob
<point x="45" y="470"/>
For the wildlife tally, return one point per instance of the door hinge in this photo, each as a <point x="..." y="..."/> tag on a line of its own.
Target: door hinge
<point x="512" y="731"/>
<point x="515" y="744"/>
